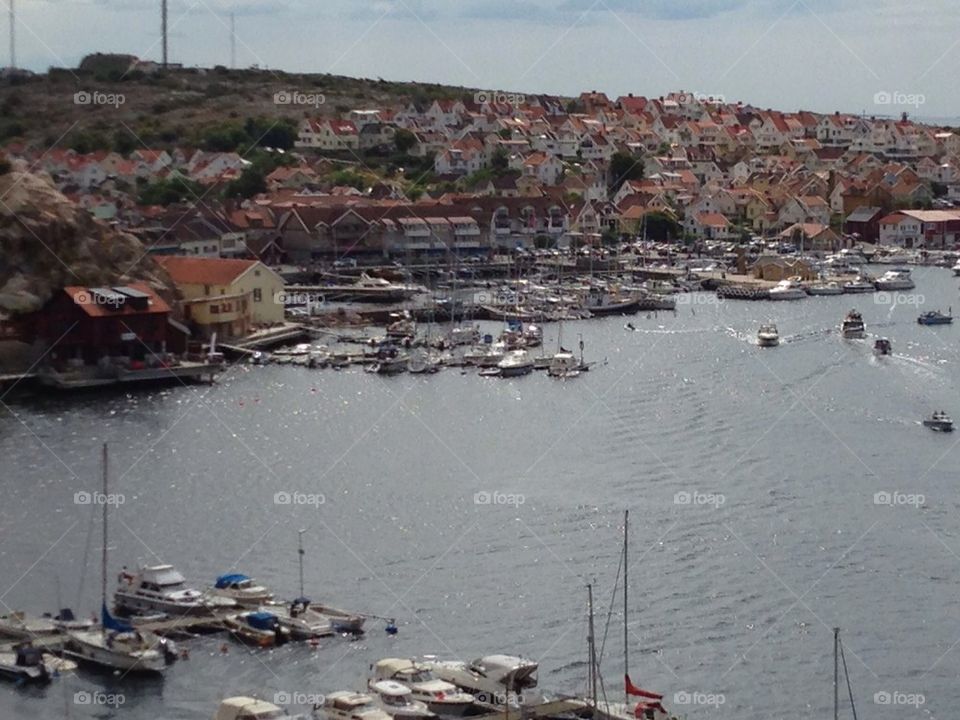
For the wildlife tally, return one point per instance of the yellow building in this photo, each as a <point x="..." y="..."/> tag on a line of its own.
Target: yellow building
<point x="228" y="297"/>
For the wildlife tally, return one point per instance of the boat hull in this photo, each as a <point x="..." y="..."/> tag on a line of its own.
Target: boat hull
<point x="94" y="652"/>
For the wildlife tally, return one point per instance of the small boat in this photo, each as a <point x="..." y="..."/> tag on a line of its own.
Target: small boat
<point x="882" y="347"/>
<point x="828" y="288"/>
<point x="564" y="364"/>
<point x="515" y="363"/>
<point x="160" y="588"/>
<point x="939" y="422"/>
<point x="346" y="705"/>
<point x="896" y="279"/>
<point x="935" y="317"/>
<point x="532" y="336"/>
<point x="542" y="362"/>
<point x="248" y="708"/>
<point x="402" y="326"/>
<point x="956" y="269"/>
<point x="788" y="290"/>
<point x="768" y="336"/>
<point x="389" y="365"/>
<point x="257" y="627"/>
<point x="396" y="700"/>
<point x="241" y="589"/>
<point x="493" y="679"/>
<point x="423" y="364"/>
<point x="25" y="665"/>
<point x="852" y="327"/>
<point x="441" y="697"/>
<point x="860" y="285"/>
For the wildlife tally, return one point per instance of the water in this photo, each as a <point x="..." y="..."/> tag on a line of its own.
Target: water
<point x="779" y="451"/>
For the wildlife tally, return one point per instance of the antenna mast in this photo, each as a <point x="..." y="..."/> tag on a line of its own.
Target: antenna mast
<point x="233" y="40"/>
<point x="13" y="37"/>
<point x="163" y="29"/>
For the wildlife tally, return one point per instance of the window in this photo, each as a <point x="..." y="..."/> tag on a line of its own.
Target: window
<point x="257" y="295"/>
<point x="214" y="309"/>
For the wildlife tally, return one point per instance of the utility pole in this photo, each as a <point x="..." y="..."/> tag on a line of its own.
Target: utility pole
<point x="163" y="29"/>
<point x="233" y="40"/>
<point x="13" y="37"/>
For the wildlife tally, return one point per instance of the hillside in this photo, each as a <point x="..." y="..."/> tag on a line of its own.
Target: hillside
<point x="177" y="107"/>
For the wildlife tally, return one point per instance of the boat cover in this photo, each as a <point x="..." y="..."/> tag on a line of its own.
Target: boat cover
<point x="262" y="620"/>
<point x="229" y="579"/>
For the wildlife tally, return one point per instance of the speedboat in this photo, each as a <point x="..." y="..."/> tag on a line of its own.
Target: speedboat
<point x="515" y="363"/>
<point x="396" y="700"/>
<point x="852" y="327"/>
<point x="935" y="317"/>
<point x="389" y="365"/>
<point x="346" y="705"/>
<point x="160" y="588"/>
<point x="25" y="665"/>
<point x="956" y="269"/>
<point x="532" y="336"/>
<point x="939" y="422"/>
<point x="787" y="290"/>
<point x="828" y="288"/>
<point x="492" y="679"/>
<point x="257" y="627"/>
<point x="882" y="347"/>
<point x="248" y="708"/>
<point x="564" y="364"/>
<point x="440" y="696"/>
<point x="241" y="589"/>
<point x="306" y="620"/>
<point x="896" y="279"/>
<point x="767" y="336"/>
<point x="859" y="285"/>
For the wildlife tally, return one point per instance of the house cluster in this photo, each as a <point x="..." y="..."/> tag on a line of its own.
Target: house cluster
<point x="543" y="171"/>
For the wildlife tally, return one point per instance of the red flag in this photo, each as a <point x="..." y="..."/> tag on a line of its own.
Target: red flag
<point x="634" y="690"/>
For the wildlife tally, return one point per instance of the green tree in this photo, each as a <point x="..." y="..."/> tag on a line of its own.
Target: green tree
<point x="404" y="140"/>
<point x="623" y="167"/>
<point x="168" y="191"/>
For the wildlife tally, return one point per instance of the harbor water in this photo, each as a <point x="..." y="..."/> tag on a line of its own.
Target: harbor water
<point x="774" y="494"/>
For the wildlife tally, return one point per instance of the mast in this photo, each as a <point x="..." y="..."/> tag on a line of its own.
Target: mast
<point x="300" y="554"/>
<point x="592" y="648"/>
<point x="103" y="554"/>
<point x="626" y="584"/>
<point x="836" y="674"/>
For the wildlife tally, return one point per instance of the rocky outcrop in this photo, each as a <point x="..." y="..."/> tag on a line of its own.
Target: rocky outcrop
<point x="47" y="242"/>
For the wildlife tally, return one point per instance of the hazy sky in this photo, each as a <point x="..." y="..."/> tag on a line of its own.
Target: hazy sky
<point x="813" y="54"/>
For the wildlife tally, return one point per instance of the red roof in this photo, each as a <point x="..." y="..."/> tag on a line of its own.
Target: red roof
<point x="203" y="271"/>
<point x="86" y="299"/>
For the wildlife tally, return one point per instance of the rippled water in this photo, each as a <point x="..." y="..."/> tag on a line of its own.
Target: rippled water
<point x="780" y="451"/>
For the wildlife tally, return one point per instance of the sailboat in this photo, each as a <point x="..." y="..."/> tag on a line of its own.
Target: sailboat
<point x="649" y="707"/>
<point x="116" y="645"/>
<point x="838" y="658"/>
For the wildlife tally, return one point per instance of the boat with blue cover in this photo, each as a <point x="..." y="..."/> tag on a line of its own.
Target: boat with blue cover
<point x="257" y="627"/>
<point x="242" y="589"/>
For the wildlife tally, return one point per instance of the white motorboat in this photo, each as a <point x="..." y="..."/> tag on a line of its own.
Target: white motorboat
<point x="896" y="279"/>
<point x="345" y="705"/>
<point x="485" y="356"/>
<point x="853" y="327"/>
<point x="241" y="589"/>
<point x="248" y="708"/>
<point x="396" y="700"/>
<point x="257" y="627"/>
<point x="515" y="363"/>
<point x="768" y="336"/>
<point x="939" y="422"/>
<point x="860" y="285"/>
<point x="389" y="365"/>
<point x="29" y="665"/>
<point x="422" y="363"/>
<point x="564" y="364"/>
<point x="20" y="626"/>
<point x="827" y="288"/>
<point x="160" y="588"/>
<point x="440" y="696"/>
<point x="464" y="335"/>
<point x="492" y="679"/>
<point x="788" y="290"/>
<point x="956" y="269"/>
<point x="116" y="645"/>
<point x="532" y="336"/>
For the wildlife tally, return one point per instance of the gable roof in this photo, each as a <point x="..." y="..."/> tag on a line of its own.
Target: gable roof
<point x="204" y="271"/>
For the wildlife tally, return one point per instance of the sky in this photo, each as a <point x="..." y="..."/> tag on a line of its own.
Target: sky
<point x="881" y="57"/>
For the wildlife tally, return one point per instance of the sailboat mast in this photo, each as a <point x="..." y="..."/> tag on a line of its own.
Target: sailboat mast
<point x="592" y="648"/>
<point x="836" y="674"/>
<point x="300" y="555"/>
<point x="626" y="585"/>
<point x="103" y="554"/>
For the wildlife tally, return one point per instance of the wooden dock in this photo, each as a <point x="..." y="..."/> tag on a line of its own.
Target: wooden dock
<point x="553" y="708"/>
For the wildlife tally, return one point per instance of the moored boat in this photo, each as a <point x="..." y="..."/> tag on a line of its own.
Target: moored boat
<point x="249" y="708"/>
<point x="788" y="290"/>
<point x="825" y="288"/>
<point x="160" y="588"/>
<point x="935" y="317"/>
<point x="441" y="697"/>
<point x="257" y="627"/>
<point x="515" y="363"/>
<point x="882" y="346"/>
<point x="241" y="589"/>
<point x="895" y="279"/>
<point x="494" y="680"/>
<point x="860" y="285"/>
<point x="346" y="705"/>
<point x="397" y="701"/>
